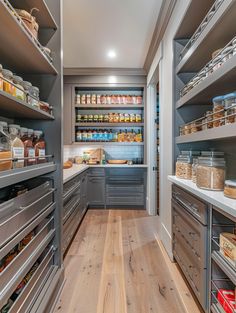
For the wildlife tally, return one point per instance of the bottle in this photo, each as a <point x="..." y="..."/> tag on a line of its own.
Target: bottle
<point x="139" y="136"/>
<point x="132" y="136"/>
<point x="120" y="136"/>
<point x="27" y="138"/>
<point x="39" y="146"/>
<point x="17" y="146"/>
<point x="78" y="136"/>
<point x="125" y="136"/>
<point x="105" y="135"/>
<point x="115" y="137"/>
<point x="5" y="147"/>
<point x="110" y="135"/>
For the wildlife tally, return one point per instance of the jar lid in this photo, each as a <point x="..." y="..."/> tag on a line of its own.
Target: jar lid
<point x="231" y="95"/>
<point x="231" y="182"/>
<point x="211" y="161"/>
<point x="23" y="130"/>
<point x="35" y="88"/>
<point x="184" y="159"/>
<point x="38" y="132"/>
<point x="213" y="154"/>
<point x="7" y="73"/>
<point x="17" y="79"/>
<point x="190" y="153"/>
<point x="14" y="126"/>
<point x="30" y="131"/>
<point x="26" y="84"/>
<point x="3" y="124"/>
<point x="218" y="98"/>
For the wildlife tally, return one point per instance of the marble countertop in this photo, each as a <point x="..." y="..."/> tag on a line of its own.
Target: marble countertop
<point x="215" y="198"/>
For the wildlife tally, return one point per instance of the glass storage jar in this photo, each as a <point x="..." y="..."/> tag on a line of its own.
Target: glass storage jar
<point x="78" y="99"/>
<point x="230" y="107"/>
<point x="218" y="110"/>
<point x="34" y="96"/>
<point x="184" y="167"/>
<point x="19" y="90"/>
<point x="194" y="170"/>
<point x="1" y="78"/>
<point x="209" y="119"/>
<point x="217" y="62"/>
<point x="27" y="85"/>
<point x="88" y="99"/>
<point x="8" y="82"/>
<point x="211" y="173"/>
<point x="5" y="148"/>
<point x="227" y="53"/>
<point x="230" y="189"/>
<point x="196" y="126"/>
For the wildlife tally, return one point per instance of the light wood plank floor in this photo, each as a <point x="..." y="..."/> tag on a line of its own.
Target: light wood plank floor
<point x="116" y="264"/>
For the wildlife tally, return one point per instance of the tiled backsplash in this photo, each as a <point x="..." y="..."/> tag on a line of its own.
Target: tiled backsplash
<point x="112" y="152"/>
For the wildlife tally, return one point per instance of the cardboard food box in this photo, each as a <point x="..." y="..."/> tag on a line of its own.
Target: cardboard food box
<point x="228" y="247"/>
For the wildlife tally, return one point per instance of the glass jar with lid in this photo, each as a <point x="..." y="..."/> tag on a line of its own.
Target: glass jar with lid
<point x="194" y="170"/>
<point x="217" y="62"/>
<point x="211" y="173"/>
<point x="230" y="189"/>
<point x="227" y="53"/>
<point x="27" y="139"/>
<point x="230" y="107"/>
<point x="27" y="85"/>
<point x="17" y="146"/>
<point x="218" y="110"/>
<point x="5" y="148"/>
<point x="209" y="119"/>
<point x="19" y="90"/>
<point x="184" y="167"/>
<point x="8" y="82"/>
<point x="196" y="126"/>
<point x="39" y="146"/>
<point x="1" y="78"/>
<point x="34" y="97"/>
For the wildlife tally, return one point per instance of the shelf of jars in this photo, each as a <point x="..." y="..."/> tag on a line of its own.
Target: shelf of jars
<point x="132" y="106"/>
<point x="111" y="125"/>
<point x="218" y="23"/>
<point x="99" y="143"/>
<point x="30" y="56"/>
<point x="218" y="75"/>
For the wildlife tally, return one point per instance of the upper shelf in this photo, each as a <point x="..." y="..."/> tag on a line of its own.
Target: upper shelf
<point x="19" y="50"/>
<point x="219" y="31"/>
<point x="219" y="82"/>
<point x="109" y="124"/>
<point x="43" y="16"/>
<point x="217" y="133"/>
<point x="14" y="108"/>
<point x="109" y="106"/>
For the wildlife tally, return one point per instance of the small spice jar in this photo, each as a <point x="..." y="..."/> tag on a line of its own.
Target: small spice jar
<point x="211" y="173"/>
<point x="230" y="107"/>
<point x="19" y="90"/>
<point x="8" y="82"/>
<point x="230" y="189"/>
<point x="77" y="98"/>
<point x="27" y="85"/>
<point x="218" y="111"/>
<point x="98" y="99"/>
<point x="83" y="99"/>
<point x="94" y="99"/>
<point x="1" y="78"/>
<point x="88" y="99"/>
<point x="34" y="97"/>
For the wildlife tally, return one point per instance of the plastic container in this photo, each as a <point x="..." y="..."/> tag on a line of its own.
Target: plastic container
<point x="230" y="107"/>
<point x="17" y="146"/>
<point x="5" y="147"/>
<point x="218" y="110"/>
<point x="19" y="90"/>
<point x="230" y="189"/>
<point x="211" y="173"/>
<point x="8" y="82"/>
<point x="1" y="78"/>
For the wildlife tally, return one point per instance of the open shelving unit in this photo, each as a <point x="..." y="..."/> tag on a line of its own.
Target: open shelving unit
<point x="40" y="208"/>
<point x="196" y="39"/>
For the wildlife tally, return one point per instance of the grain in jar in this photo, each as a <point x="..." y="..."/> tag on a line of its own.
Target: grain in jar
<point x="218" y="111"/>
<point x="184" y="167"/>
<point x="5" y="148"/>
<point x="211" y="173"/>
<point x="1" y="78"/>
<point x="230" y="108"/>
<point x="83" y="99"/>
<point x="196" y="126"/>
<point x="230" y="189"/>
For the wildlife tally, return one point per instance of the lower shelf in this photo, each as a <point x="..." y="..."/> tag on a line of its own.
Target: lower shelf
<point x="225" y="266"/>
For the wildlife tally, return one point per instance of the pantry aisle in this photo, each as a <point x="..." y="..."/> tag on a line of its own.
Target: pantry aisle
<point x="116" y="264"/>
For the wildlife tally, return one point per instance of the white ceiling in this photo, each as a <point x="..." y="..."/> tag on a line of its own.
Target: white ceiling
<point x="93" y="27"/>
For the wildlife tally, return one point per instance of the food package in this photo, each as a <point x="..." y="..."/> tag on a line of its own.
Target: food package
<point x="229" y="306"/>
<point x="227" y="300"/>
<point x="29" y="21"/>
<point x="228" y="247"/>
<point x="67" y="165"/>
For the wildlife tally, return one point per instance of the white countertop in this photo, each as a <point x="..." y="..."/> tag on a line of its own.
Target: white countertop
<point x="215" y="198"/>
<point x="80" y="168"/>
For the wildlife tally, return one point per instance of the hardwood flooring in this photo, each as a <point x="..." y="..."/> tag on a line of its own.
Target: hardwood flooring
<point x="116" y="264"/>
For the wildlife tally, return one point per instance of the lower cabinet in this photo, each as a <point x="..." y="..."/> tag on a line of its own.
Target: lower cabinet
<point x="96" y="192"/>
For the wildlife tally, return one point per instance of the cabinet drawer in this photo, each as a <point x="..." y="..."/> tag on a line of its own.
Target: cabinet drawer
<point x="13" y="274"/>
<point x="32" y="287"/>
<point x="193" y="232"/>
<point x="135" y="173"/>
<point x="71" y="207"/>
<point x="125" y="201"/>
<point x="69" y="192"/>
<point x="132" y="191"/>
<point x="195" y="206"/>
<point x="96" y="171"/>
<point x="19" y="212"/>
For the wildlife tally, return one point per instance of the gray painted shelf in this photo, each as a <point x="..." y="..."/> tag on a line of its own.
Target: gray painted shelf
<point x="109" y="124"/>
<point x="110" y="106"/>
<point x="219" y="82"/>
<point x="219" y="31"/>
<point x="217" y="133"/>
<point x="225" y="266"/>
<point x="23" y="54"/>
<point x="86" y="143"/>
<point x="12" y="107"/>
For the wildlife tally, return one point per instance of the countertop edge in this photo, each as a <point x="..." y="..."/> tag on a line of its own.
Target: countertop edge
<point x="215" y="198"/>
<point x="76" y="173"/>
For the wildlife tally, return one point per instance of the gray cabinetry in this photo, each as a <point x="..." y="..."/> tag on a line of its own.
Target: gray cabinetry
<point x="67" y="115"/>
<point x="96" y="188"/>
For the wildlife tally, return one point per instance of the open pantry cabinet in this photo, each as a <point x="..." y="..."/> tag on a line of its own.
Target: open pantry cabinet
<point x="30" y="246"/>
<point x="205" y="52"/>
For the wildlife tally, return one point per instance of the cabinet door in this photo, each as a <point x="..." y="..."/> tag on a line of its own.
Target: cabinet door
<point x="67" y="114"/>
<point x="84" y="197"/>
<point x="96" y="191"/>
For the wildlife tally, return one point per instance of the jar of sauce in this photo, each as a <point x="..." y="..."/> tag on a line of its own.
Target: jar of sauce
<point x="39" y="146"/>
<point x="27" y="139"/>
<point x="27" y="85"/>
<point x="8" y="82"/>
<point x="17" y="146"/>
<point x="5" y="147"/>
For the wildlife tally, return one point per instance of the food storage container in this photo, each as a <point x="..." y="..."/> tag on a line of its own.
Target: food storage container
<point x="45" y="106"/>
<point x="228" y="247"/>
<point x="184" y="167"/>
<point x="227" y="53"/>
<point x="29" y="21"/>
<point x="218" y="111"/>
<point x="88" y="99"/>
<point x="5" y="147"/>
<point x="27" y="86"/>
<point x="19" y="90"/>
<point x="1" y="78"/>
<point x="187" y="129"/>
<point x="230" y="189"/>
<point x="194" y="170"/>
<point x="196" y="126"/>
<point x="209" y="119"/>
<point x="34" y="96"/>
<point x="78" y="99"/>
<point x="217" y="62"/>
<point x="8" y="82"/>
<point x="230" y="107"/>
<point x="211" y="173"/>
<point x="98" y="99"/>
<point x="83" y="99"/>
<point x="94" y="99"/>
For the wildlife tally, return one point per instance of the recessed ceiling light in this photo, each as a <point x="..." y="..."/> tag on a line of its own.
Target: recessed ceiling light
<point x="111" y="54"/>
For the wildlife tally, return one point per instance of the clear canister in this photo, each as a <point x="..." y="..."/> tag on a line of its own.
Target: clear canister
<point x="34" y="97"/>
<point x="230" y="107"/>
<point x="184" y="167"/>
<point x="230" y="189"/>
<point x="8" y="82"/>
<point x="19" y="90"/>
<point x="218" y="110"/>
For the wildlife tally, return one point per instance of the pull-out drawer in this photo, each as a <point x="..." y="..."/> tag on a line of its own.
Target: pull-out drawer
<point x="125" y="201"/>
<point x="17" y="213"/>
<point x="194" y="233"/>
<point x="74" y="200"/>
<point x="15" y="271"/>
<point x="192" y="204"/>
<point x="32" y="288"/>
<point x="96" y="171"/>
<point x="70" y="188"/>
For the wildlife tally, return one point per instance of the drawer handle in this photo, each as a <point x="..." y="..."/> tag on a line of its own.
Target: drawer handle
<point x="71" y="191"/>
<point x="36" y="201"/>
<point x="189" y="206"/>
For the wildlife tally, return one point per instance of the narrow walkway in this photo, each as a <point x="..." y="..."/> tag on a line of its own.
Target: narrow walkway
<point x="116" y="265"/>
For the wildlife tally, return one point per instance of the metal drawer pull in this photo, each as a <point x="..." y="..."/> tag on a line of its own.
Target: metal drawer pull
<point x="36" y="201"/>
<point x="71" y="191"/>
<point x="189" y="206"/>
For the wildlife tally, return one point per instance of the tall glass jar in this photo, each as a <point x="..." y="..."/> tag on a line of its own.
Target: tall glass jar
<point x="5" y="148"/>
<point x="1" y="78"/>
<point x="39" y="146"/>
<point x="230" y="107"/>
<point x="34" y="97"/>
<point x="194" y="170"/>
<point x="218" y="110"/>
<point x="27" y="138"/>
<point x="19" y="90"/>
<point x="17" y="146"/>
<point x="27" y="85"/>
<point x="8" y="82"/>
